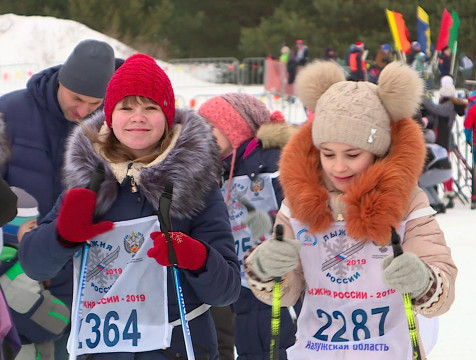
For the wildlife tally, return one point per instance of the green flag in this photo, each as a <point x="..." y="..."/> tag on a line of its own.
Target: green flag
<point x="453" y="31"/>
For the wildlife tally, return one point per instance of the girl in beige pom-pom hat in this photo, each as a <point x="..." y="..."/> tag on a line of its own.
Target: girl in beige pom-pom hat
<point x="349" y="177"/>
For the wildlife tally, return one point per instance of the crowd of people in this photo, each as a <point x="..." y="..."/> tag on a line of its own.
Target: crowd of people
<point x="95" y="264"/>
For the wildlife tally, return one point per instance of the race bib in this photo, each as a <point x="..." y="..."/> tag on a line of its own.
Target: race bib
<point x="348" y="312"/>
<point x="260" y="193"/>
<point x="124" y="306"/>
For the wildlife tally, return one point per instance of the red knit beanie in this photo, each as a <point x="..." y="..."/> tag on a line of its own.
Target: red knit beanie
<point x="238" y="116"/>
<point x="140" y="76"/>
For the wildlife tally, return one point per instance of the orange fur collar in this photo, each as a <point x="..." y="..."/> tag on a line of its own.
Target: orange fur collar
<point x="375" y="201"/>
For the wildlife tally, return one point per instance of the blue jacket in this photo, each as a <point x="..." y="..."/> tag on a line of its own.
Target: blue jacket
<point x="37" y="131"/>
<point x="253" y="317"/>
<point x="197" y="209"/>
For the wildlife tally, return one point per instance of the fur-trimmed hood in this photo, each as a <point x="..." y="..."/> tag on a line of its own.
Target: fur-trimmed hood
<point x="275" y="135"/>
<point x="192" y="165"/>
<point x="375" y="201"/>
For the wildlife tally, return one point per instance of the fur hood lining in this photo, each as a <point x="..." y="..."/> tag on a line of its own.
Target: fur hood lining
<point x="375" y="201"/>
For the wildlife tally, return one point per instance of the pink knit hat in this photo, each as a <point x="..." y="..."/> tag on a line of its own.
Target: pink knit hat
<point x="238" y="116"/>
<point x="140" y="76"/>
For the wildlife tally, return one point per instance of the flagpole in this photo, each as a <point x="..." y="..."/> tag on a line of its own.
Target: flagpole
<point x="453" y="59"/>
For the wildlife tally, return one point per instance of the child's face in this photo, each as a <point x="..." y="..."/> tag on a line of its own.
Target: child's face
<point x="224" y="144"/>
<point x="342" y="163"/>
<point x="138" y="125"/>
<point x="26" y="227"/>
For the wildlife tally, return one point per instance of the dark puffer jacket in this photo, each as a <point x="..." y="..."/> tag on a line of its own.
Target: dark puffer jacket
<point x="253" y="317"/>
<point x="197" y="209"/>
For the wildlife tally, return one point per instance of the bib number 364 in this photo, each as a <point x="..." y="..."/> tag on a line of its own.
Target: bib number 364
<point x="109" y="331"/>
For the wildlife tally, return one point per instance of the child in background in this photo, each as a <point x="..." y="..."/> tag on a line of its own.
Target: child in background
<point x="437" y="169"/>
<point x="348" y="178"/>
<point x="250" y="139"/>
<point x="442" y="117"/>
<point x="9" y="340"/>
<point x="142" y="142"/>
<point x="7" y="197"/>
<point x="39" y="317"/>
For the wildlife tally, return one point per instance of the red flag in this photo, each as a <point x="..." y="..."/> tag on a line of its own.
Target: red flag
<point x="402" y="32"/>
<point x="444" y="36"/>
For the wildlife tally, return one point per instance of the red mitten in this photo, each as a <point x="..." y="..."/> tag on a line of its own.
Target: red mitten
<point x="191" y="253"/>
<point x="75" y="218"/>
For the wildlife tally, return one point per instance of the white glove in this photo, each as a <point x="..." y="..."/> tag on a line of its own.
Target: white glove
<point x="259" y="223"/>
<point x="406" y="274"/>
<point x="274" y="258"/>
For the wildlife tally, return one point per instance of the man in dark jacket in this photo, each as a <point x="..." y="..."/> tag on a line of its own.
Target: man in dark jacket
<point x="38" y="120"/>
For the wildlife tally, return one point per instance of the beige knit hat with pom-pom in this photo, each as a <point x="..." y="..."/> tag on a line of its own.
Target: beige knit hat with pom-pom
<point x="358" y="113"/>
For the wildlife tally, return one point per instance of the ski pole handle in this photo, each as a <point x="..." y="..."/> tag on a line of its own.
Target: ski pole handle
<point x="407" y="302"/>
<point x="396" y="246"/>
<point x="279" y="232"/>
<point x="165" y="203"/>
<point x="97" y="178"/>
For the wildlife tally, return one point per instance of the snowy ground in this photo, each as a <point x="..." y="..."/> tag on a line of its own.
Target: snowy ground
<point x="30" y="44"/>
<point x="457" y="326"/>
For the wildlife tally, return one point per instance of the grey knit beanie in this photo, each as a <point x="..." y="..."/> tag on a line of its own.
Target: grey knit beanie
<point x="358" y="113"/>
<point x="88" y="69"/>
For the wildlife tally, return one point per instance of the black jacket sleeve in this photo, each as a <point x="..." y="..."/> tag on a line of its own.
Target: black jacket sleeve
<point x="8" y="207"/>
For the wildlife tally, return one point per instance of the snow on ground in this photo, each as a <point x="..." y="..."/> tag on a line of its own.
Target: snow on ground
<point x="457" y="326"/>
<point x="30" y="44"/>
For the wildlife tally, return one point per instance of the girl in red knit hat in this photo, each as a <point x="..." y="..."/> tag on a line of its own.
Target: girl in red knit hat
<point x="128" y="305"/>
<point x="250" y="139"/>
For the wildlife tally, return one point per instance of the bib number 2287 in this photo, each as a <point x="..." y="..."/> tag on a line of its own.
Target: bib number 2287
<point x="111" y="333"/>
<point x="359" y="319"/>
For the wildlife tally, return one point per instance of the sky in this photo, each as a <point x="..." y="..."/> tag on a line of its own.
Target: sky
<point x="32" y="43"/>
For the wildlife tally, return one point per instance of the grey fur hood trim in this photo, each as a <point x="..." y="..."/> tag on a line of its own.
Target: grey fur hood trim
<point x="4" y="144"/>
<point x="192" y="165"/>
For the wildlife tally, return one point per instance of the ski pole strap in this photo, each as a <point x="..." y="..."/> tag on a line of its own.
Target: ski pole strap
<point x="276" y="307"/>
<point x="407" y="302"/>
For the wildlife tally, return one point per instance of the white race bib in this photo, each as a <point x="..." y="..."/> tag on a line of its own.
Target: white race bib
<point x="260" y="193"/>
<point x="124" y="306"/>
<point x="343" y="316"/>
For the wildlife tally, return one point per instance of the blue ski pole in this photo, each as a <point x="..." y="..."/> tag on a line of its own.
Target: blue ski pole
<point x="165" y="202"/>
<point x="94" y="184"/>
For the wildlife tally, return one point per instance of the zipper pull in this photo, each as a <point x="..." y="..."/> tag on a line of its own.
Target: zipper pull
<point x="133" y="182"/>
<point x="133" y="185"/>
